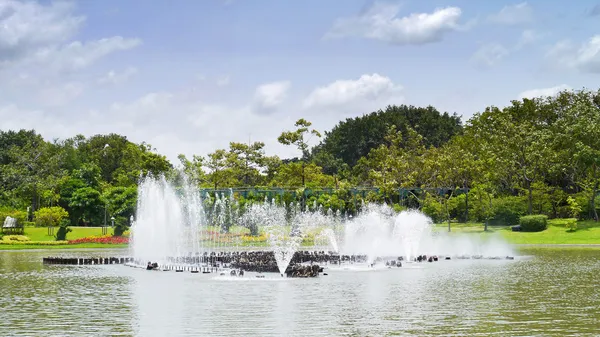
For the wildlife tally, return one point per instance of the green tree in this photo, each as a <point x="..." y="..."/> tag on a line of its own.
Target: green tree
<point x="220" y="172"/>
<point x="297" y="138"/>
<point x="247" y="160"/>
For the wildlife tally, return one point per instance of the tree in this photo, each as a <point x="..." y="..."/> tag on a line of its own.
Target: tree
<point x="193" y="169"/>
<point x="297" y="138"/>
<point x="87" y="206"/>
<point x="354" y="138"/>
<point x="221" y="173"/>
<point x="246" y="161"/>
<point x="578" y="141"/>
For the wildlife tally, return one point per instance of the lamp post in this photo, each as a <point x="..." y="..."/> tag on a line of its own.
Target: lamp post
<point x="112" y="221"/>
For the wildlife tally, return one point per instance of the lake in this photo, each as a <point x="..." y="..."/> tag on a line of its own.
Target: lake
<point x="543" y="292"/>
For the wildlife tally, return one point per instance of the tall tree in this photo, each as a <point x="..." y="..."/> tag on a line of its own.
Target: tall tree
<point x="297" y="138"/>
<point x="247" y="160"/>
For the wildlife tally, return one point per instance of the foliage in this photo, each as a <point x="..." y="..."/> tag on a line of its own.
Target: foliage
<point x="63" y="230"/>
<point x="354" y="138"/>
<point x="50" y="216"/>
<point x="571" y="225"/>
<point x="507" y="210"/>
<point x="533" y="223"/>
<point x="15" y="238"/>
<point x="20" y="216"/>
<point x="533" y="156"/>
<point x="574" y="207"/>
<point x="33" y="243"/>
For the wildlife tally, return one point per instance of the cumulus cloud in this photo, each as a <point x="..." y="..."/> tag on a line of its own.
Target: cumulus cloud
<point x="26" y="26"/>
<point x="513" y="15"/>
<point x="380" y="22"/>
<point x="489" y="54"/>
<point x="78" y="55"/>
<point x="367" y="88"/>
<point x="544" y="92"/>
<point x="37" y="35"/>
<point x="585" y="58"/>
<point x="270" y="96"/>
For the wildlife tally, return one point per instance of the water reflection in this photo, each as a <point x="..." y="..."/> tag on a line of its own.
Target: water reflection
<point x="553" y="294"/>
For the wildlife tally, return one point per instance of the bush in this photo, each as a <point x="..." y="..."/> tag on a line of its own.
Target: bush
<point x="37" y="243"/>
<point x="508" y="210"/>
<point x="571" y="225"/>
<point x="50" y="216"/>
<point x="21" y="216"/>
<point x="61" y="234"/>
<point x="533" y="223"/>
<point x="15" y="238"/>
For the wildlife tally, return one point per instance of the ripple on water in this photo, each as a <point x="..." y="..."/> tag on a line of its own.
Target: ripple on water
<point x="552" y="293"/>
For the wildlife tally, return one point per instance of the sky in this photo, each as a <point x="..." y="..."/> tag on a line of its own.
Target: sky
<point x="190" y="76"/>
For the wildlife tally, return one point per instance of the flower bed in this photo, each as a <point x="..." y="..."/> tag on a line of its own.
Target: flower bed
<point x="104" y="239"/>
<point x="36" y="243"/>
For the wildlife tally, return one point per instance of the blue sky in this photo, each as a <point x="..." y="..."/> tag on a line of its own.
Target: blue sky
<point x="190" y="76"/>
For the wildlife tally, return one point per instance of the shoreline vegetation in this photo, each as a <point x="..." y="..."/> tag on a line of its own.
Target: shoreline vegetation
<point x="556" y="235"/>
<point x="534" y="163"/>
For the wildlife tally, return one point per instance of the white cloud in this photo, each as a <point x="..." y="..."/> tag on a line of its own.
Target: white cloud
<point x="585" y="58"/>
<point x="380" y="22"/>
<point x="528" y="37"/>
<point x="489" y="54"/>
<point x="269" y="96"/>
<point x="343" y="92"/>
<point x="546" y="92"/>
<point x="513" y="15"/>
<point x="78" y="55"/>
<point x="113" y="77"/>
<point x="26" y="26"/>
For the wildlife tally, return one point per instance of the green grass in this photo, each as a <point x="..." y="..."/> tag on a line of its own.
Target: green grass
<point x="588" y="232"/>
<point x="41" y="233"/>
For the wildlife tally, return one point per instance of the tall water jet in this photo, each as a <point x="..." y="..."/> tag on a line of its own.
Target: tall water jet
<point x="412" y="228"/>
<point x="157" y="232"/>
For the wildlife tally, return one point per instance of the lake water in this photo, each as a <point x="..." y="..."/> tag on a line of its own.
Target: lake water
<point x="544" y="292"/>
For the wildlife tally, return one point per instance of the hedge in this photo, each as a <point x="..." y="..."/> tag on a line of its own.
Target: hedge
<point x="533" y="223"/>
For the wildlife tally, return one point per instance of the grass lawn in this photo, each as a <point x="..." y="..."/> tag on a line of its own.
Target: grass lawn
<point x="41" y="233"/>
<point x="588" y="232"/>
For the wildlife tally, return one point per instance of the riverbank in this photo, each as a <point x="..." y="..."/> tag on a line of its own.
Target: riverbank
<point x="587" y="233"/>
<point x="557" y="235"/>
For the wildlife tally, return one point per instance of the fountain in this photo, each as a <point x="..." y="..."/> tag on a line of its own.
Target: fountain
<point x="177" y="224"/>
<point x="284" y="236"/>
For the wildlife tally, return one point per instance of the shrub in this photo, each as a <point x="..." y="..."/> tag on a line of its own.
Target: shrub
<point x="37" y="243"/>
<point x="21" y="216"/>
<point x="508" y="210"/>
<point x="50" y="216"/>
<point x="533" y="223"/>
<point x="571" y="225"/>
<point x="15" y="238"/>
<point x="61" y="234"/>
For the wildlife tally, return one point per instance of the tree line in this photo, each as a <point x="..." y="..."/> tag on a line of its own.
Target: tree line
<point x="533" y="156"/>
